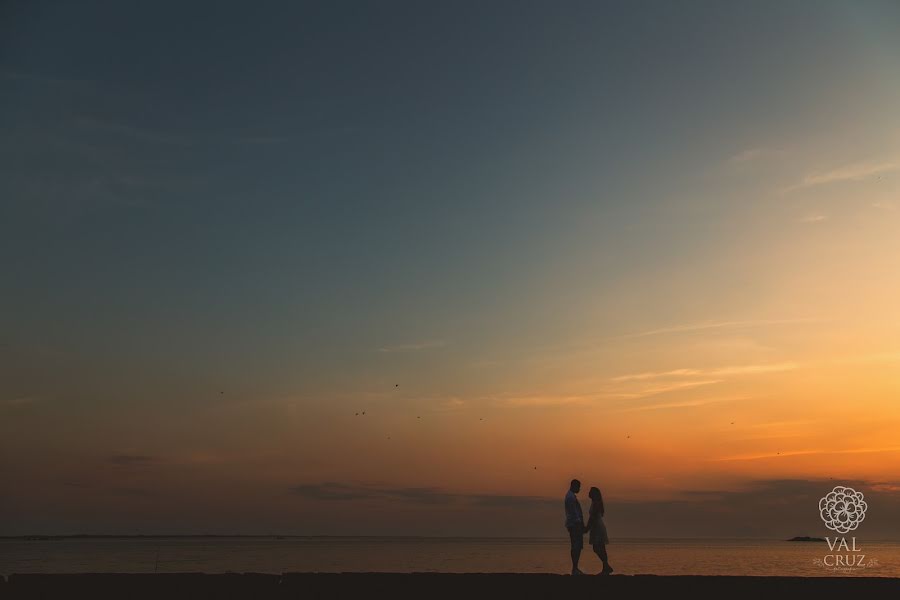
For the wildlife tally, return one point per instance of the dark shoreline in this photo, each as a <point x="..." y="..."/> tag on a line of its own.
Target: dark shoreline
<point x="462" y="586"/>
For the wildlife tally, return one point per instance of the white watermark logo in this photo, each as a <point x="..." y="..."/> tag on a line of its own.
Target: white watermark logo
<point x="842" y="509"/>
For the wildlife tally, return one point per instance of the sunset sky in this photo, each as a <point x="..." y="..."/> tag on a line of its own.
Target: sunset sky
<point x="652" y="245"/>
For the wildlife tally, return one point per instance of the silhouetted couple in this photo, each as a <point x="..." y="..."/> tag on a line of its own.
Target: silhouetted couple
<point x="595" y="527"/>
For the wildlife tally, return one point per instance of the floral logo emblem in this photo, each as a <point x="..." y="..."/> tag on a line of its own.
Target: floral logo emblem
<point x="842" y="509"/>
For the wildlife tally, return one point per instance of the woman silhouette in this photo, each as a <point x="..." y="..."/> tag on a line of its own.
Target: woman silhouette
<point x="597" y="529"/>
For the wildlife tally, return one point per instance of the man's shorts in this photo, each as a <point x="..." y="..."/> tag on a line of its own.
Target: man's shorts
<point x="576" y="537"/>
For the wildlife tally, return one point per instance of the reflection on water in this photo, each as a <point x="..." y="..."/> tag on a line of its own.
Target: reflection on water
<point x="279" y="555"/>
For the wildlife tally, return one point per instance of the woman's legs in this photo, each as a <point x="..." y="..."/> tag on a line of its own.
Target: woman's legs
<point x="600" y="549"/>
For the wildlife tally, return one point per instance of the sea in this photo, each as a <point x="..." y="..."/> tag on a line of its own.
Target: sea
<point x="284" y="554"/>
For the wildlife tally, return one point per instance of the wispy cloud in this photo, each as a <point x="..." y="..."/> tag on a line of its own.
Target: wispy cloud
<point x="136" y="133"/>
<point x="746" y="155"/>
<point x="132" y="460"/>
<point x="886" y="486"/>
<point x="414" y="346"/>
<point x="707" y="325"/>
<point x="754" y="369"/>
<point x="618" y="393"/>
<point x="806" y="452"/>
<point x="682" y="404"/>
<point x="662" y="388"/>
<point x="874" y="358"/>
<point x="674" y="379"/>
<point x="332" y="491"/>
<point x="450" y="405"/>
<point x="657" y="374"/>
<point x="20" y="401"/>
<point x="813" y="219"/>
<point x="851" y="172"/>
<point x="544" y="400"/>
<point x="751" y="154"/>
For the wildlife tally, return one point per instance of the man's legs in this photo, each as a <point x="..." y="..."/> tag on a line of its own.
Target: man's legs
<point x="576" y="555"/>
<point x="576" y="538"/>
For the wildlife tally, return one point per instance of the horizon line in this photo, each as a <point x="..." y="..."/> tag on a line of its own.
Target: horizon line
<point x="44" y="537"/>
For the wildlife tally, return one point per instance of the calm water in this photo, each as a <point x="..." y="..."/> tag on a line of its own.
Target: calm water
<point x="271" y="555"/>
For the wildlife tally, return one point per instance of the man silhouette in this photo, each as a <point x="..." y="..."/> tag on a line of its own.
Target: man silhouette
<point x="575" y="524"/>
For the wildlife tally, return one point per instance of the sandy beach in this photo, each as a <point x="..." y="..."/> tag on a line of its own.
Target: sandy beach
<point x="426" y="585"/>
